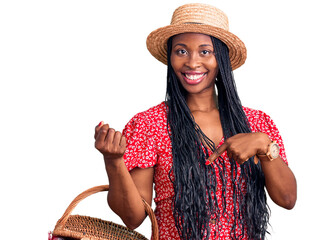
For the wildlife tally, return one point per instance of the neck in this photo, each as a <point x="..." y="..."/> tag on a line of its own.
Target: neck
<point x="202" y="103"/>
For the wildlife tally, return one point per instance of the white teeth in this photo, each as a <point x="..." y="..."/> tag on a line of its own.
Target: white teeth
<point x="194" y="76"/>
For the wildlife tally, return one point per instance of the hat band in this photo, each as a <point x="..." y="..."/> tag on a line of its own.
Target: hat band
<point x="193" y="23"/>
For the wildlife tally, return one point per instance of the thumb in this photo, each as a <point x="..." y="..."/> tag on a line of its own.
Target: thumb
<point x="219" y="150"/>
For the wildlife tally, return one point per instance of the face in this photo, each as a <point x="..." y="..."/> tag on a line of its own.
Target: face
<point x="194" y="62"/>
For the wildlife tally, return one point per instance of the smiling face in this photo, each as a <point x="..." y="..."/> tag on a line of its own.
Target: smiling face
<point x="194" y="62"/>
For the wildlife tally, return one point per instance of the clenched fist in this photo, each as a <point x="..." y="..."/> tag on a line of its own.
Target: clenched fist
<point x="109" y="142"/>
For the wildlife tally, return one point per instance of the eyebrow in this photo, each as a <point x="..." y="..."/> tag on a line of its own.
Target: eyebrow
<point x="205" y="45"/>
<point x="184" y="45"/>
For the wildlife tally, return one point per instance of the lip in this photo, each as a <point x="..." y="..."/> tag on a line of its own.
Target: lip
<point x="193" y="82"/>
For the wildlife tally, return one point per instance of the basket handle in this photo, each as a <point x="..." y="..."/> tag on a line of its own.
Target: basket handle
<point x="62" y="221"/>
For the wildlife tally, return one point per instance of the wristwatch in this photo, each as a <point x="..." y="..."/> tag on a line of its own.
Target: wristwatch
<point x="273" y="151"/>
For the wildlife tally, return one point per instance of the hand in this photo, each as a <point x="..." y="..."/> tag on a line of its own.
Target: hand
<point x="109" y="142"/>
<point x="242" y="146"/>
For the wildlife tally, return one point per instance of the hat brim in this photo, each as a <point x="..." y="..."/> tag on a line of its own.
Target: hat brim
<point x="157" y="41"/>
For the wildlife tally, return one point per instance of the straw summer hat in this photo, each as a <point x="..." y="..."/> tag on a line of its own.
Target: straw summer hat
<point x="197" y="18"/>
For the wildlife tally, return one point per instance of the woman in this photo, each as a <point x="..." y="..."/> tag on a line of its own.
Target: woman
<point x="209" y="157"/>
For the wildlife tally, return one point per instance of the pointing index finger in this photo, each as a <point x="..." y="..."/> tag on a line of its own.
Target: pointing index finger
<point x="219" y="150"/>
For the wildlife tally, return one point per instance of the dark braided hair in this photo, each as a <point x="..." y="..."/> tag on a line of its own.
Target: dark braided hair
<point x="195" y="201"/>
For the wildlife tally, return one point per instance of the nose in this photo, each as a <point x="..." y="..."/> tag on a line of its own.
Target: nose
<point x="193" y="61"/>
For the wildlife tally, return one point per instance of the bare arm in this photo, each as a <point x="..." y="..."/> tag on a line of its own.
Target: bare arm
<point x="280" y="181"/>
<point x="126" y="188"/>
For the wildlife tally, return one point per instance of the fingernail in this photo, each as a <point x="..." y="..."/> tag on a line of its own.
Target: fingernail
<point x="208" y="162"/>
<point x="100" y="123"/>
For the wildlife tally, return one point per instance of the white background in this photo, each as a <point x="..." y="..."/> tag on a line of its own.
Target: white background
<point x="66" y="65"/>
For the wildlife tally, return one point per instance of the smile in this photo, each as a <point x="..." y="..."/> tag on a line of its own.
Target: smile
<point x="193" y="78"/>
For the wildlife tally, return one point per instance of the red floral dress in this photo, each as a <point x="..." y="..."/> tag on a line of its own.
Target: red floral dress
<point x="149" y="145"/>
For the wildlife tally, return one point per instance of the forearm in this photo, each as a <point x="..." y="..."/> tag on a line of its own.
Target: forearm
<point x="280" y="182"/>
<point x="123" y="196"/>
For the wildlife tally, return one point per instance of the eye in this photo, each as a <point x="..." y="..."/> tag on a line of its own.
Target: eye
<point x="206" y="52"/>
<point x="181" y="52"/>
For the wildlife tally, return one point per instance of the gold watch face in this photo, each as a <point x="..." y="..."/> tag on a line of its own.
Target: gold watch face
<point x="274" y="150"/>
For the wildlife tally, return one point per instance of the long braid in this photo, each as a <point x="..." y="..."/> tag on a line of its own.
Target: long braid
<point x="253" y="209"/>
<point x="194" y="182"/>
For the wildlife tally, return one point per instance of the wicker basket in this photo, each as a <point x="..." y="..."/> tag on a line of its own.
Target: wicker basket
<point x="89" y="228"/>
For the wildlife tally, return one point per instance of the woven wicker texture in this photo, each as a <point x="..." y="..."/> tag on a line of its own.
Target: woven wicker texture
<point x="197" y="18"/>
<point x="84" y="227"/>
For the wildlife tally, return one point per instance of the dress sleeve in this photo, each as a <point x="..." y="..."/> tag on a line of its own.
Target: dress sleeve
<point x="266" y="125"/>
<point x="141" y="145"/>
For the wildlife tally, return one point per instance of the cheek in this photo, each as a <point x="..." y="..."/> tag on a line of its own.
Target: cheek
<point x="214" y="67"/>
<point x="174" y="63"/>
<point x="213" y="63"/>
